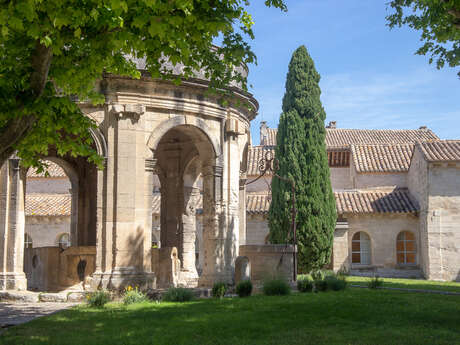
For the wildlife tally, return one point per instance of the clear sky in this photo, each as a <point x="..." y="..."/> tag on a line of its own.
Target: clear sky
<point x="370" y="76"/>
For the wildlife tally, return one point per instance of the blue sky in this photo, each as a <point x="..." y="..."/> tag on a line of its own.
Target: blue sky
<point x="370" y="77"/>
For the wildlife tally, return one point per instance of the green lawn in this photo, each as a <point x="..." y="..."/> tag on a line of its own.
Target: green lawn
<point x="354" y="316"/>
<point x="409" y="283"/>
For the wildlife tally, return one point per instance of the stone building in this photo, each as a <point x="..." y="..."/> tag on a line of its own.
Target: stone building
<point x="149" y="132"/>
<point x="172" y="206"/>
<point x="397" y="197"/>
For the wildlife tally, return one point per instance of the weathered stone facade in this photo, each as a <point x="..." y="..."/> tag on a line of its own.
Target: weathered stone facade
<point x="148" y="131"/>
<point x="401" y="189"/>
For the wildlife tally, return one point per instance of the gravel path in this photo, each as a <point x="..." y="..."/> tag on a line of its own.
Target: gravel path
<point x="12" y="314"/>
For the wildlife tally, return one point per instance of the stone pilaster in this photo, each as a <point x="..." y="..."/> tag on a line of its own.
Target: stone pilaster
<point x="125" y="251"/>
<point x="12" y="222"/>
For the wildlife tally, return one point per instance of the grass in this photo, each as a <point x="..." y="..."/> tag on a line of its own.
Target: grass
<point x="409" y="283"/>
<point x="353" y="316"/>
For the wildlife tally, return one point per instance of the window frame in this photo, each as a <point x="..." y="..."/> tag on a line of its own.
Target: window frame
<point x="368" y="252"/>
<point x="405" y="252"/>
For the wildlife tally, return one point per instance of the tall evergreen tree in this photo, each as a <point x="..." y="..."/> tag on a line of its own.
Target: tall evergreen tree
<point x="301" y="151"/>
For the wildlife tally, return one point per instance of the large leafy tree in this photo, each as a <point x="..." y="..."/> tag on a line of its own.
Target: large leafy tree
<point x="52" y="51"/>
<point x="302" y="156"/>
<point x="439" y="22"/>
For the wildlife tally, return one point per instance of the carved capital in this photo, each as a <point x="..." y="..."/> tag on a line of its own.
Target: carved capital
<point x="217" y="170"/>
<point x="133" y="111"/>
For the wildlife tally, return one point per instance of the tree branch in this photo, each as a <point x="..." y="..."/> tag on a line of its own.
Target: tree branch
<point x="18" y="127"/>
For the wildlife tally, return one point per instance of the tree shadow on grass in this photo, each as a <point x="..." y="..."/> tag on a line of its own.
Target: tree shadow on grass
<point x="332" y="317"/>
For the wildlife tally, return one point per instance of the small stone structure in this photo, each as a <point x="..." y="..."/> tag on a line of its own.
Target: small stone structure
<point x="268" y="261"/>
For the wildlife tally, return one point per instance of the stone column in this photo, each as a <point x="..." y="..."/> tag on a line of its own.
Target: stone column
<point x="101" y="226"/>
<point x="171" y="200"/>
<point x="187" y="241"/>
<point x="12" y="222"/>
<point x="213" y="229"/>
<point x="242" y="208"/>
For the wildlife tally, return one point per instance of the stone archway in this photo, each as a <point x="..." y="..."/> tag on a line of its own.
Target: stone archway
<point x="184" y="154"/>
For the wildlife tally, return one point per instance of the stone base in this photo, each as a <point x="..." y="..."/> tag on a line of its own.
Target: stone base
<point x="120" y="278"/>
<point x="13" y="281"/>
<point x="208" y="280"/>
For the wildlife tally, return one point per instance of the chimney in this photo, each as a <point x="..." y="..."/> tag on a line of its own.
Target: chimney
<point x="263" y="133"/>
<point x="332" y="125"/>
<point x="424" y="128"/>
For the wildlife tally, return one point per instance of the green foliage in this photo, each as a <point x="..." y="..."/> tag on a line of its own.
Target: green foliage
<point x="305" y="284"/>
<point x="321" y="285"/>
<point x="277" y="286"/>
<point x="336" y="283"/>
<point x="301" y="151"/>
<point x="98" y="298"/>
<point x="55" y="51"/>
<point x="133" y="295"/>
<point x="219" y="289"/>
<point x="178" y="295"/>
<point x="439" y="22"/>
<point x="375" y="282"/>
<point x="244" y="288"/>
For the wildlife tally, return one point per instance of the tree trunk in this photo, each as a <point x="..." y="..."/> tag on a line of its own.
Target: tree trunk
<point x="18" y="127"/>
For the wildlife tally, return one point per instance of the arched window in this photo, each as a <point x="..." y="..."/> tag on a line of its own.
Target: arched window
<point x="64" y="241"/>
<point x="405" y="248"/>
<point x="27" y="241"/>
<point x="361" y="249"/>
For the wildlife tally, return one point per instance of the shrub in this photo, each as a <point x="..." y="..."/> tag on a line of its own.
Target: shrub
<point x="321" y="285"/>
<point x="375" y="282"/>
<point x="335" y="283"/>
<point x="178" y="295"/>
<point x="98" y="298"/>
<point x="277" y="286"/>
<point x="305" y="284"/>
<point x="133" y="295"/>
<point x="244" y="288"/>
<point x="219" y="289"/>
<point x="317" y="275"/>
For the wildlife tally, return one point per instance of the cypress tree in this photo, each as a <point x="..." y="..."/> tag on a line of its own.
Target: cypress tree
<point x="301" y="151"/>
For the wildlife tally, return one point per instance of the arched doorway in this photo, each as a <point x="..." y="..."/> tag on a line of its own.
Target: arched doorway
<point x="185" y="164"/>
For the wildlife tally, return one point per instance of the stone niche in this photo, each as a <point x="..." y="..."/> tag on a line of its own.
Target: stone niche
<point x="267" y="261"/>
<point x="54" y="269"/>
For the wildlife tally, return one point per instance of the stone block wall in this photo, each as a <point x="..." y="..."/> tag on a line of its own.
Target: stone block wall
<point x="269" y="261"/>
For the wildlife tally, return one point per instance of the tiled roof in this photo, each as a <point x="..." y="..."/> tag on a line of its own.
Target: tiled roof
<point x="257" y="203"/>
<point x="441" y="151"/>
<point x="339" y="137"/>
<point x="255" y="154"/>
<point x="368" y="201"/>
<point x="356" y="202"/>
<point x="54" y="170"/>
<point x="382" y="158"/>
<point x="375" y="201"/>
<point x="48" y="204"/>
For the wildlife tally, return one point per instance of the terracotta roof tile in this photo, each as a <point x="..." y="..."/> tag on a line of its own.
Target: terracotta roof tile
<point x="382" y="158"/>
<point x="355" y="202"/>
<point x="441" y="151"/>
<point x="375" y="201"/>
<point x="48" y="204"/>
<point x="54" y="170"/>
<point x="257" y="203"/>
<point x="340" y="137"/>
